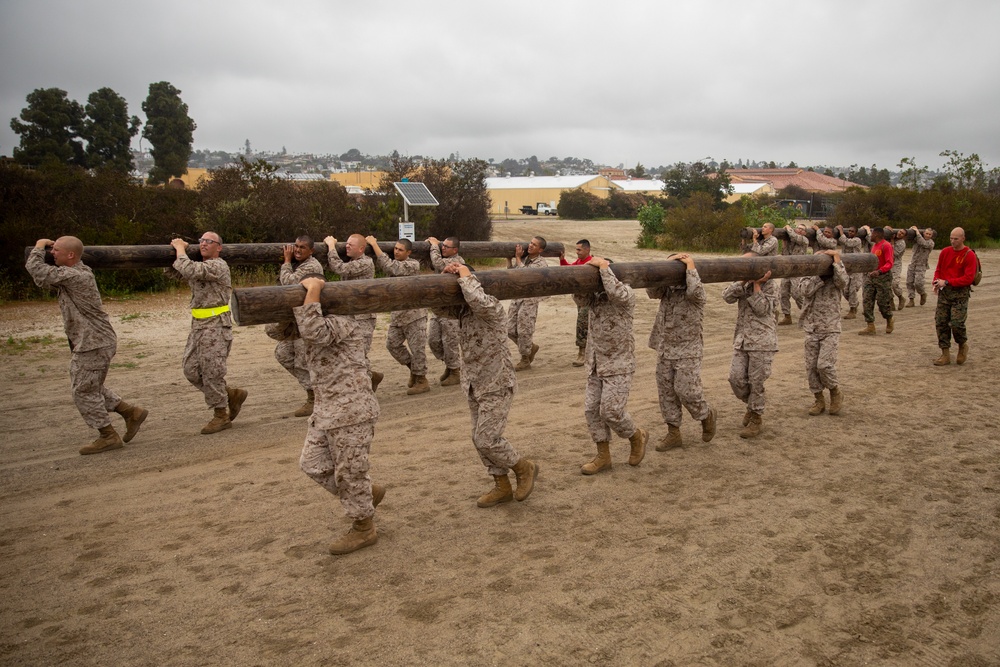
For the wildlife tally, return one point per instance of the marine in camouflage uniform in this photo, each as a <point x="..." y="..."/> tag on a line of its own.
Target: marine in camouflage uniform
<point x="755" y="342"/>
<point x="92" y="340"/>
<point x="211" y="335"/>
<point x="878" y="284"/>
<point x="923" y="244"/>
<point x="898" y="251"/>
<point x="677" y="338"/>
<point x="522" y="313"/>
<point x="290" y="352"/>
<point x="851" y="244"/>
<point x="826" y="239"/>
<point x="442" y="333"/>
<point x="764" y="243"/>
<point x="357" y="267"/>
<point x="821" y="322"/>
<point x="406" y="327"/>
<point x="954" y="275"/>
<point x="796" y="244"/>
<point x="488" y="383"/>
<point x="342" y="424"/>
<point x="610" y="364"/>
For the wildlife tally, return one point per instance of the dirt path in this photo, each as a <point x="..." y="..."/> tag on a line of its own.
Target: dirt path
<point x="868" y="538"/>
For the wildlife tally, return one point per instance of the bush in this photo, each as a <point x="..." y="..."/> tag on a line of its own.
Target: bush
<point x="651" y="222"/>
<point x="580" y="205"/>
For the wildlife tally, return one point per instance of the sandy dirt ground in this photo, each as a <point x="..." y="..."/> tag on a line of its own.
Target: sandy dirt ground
<point x="867" y="538"/>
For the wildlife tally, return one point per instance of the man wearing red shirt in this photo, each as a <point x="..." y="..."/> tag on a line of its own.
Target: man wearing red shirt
<point x="582" y="312"/>
<point x="953" y="276"/>
<point x="878" y="287"/>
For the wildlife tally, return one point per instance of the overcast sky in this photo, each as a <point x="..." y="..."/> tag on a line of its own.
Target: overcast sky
<point x="656" y="82"/>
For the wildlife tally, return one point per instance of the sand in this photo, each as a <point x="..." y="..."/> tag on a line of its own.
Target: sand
<point x="867" y="538"/>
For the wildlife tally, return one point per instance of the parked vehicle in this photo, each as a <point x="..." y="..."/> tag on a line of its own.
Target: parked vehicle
<point x="541" y="208"/>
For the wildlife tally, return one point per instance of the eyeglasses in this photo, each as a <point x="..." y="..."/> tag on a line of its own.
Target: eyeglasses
<point x="208" y="241"/>
<point x="450" y="247"/>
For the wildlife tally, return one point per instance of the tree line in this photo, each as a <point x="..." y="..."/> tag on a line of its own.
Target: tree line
<point x="55" y="129"/>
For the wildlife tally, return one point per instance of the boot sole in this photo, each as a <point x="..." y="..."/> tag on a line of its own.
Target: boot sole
<point x="236" y="404"/>
<point x="494" y="503"/>
<point x="228" y="424"/>
<point x="86" y="451"/>
<point x="585" y="471"/>
<point x="335" y="551"/>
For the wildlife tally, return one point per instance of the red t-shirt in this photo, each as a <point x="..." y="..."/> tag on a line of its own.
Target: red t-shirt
<point x="883" y="250"/>
<point x="958" y="267"/>
<point x="563" y="262"/>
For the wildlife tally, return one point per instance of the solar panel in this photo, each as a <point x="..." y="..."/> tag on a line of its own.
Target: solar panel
<point x="416" y="194"/>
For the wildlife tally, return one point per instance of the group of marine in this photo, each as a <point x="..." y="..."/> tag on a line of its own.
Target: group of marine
<point x="328" y="354"/>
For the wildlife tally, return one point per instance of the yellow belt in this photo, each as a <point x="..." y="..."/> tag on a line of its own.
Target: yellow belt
<point x="205" y="313"/>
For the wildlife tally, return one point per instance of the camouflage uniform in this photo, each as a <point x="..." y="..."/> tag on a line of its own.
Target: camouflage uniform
<point x="898" y="250"/>
<point x="677" y="339"/>
<point x="823" y="243"/>
<point x="755" y="341"/>
<point x="442" y="334"/>
<point x="488" y="379"/>
<point x="821" y="323"/>
<point x="765" y="247"/>
<point x="877" y="290"/>
<point x="582" y="318"/>
<point x="342" y="424"/>
<point x="610" y="358"/>
<point x="918" y="266"/>
<point x="291" y="352"/>
<point x="950" y="315"/>
<point x="406" y="326"/>
<point x="797" y="244"/>
<point x="854" y="280"/>
<point x="522" y="313"/>
<point x="91" y="337"/>
<point x="360" y="268"/>
<point x="211" y="338"/>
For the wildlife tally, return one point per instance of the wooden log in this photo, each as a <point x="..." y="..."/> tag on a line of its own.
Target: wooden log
<point x="155" y="256"/>
<point x="781" y="233"/>
<point x="260" y="305"/>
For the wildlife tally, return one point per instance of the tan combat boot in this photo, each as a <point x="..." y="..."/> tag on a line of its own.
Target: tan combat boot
<point x="819" y="407"/>
<point x="910" y="304"/>
<point x="500" y="493"/>
<point x="236" y="398"/>
<point x="671" y="440"/>
<point x="220" y="422"/>
<point x="923" y="299"/>
<point x="746" y="416"/>
<point x="785" y="320"/>
<point x="376" y="379"/>
<point x="378" y="493"/>
<point x="836" y="400"/>
<point x="869" y="330"/>
<point x="963" y="353"/>
<point x="134" y="416"/>
<point x="454" y="377"/>
<point x="752" y="429"/>
<point x="413" y="378"/>
<point x="945" y="357"/>
<point x="902" y="302"/>
<point x="420" y="386"/>
<point x="580" y="360"/>
<point x="638" y="447"/>
<point x="107" y="441"/>
<point x="307" y="407"/>
<point x="890" y="325"/>
<point x="708" y="426"/>
<point x="601" y="462"/>
<point x="525" y="470"/>
<point x="362" y="534"/>
<point x="534" y="351"/>
<point x="444" y="376"/>
<point x="523" y="365"/>
<point x="851" y="314"/>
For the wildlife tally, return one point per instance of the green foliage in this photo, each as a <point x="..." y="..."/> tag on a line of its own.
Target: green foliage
<point x="683" y="181"/>
<point x="581" y="205"/>
<point x="170" y="132"/>
<point x="698" y="224"/>
<point x="108" y="131"/>
<point x="651" y="218"/>
<point x="625" y="205"/>
<point x="50" y="130"/>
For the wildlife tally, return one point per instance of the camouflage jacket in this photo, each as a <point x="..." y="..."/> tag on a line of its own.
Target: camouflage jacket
<point x="756" y="330"/>
<point x="677" y="329"/>
<point x="393" y="267"/>
<point x="211" y="286"/>
<point x="610" y="342"/>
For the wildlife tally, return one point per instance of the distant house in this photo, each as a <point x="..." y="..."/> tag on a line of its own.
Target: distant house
<point x="366" y="180"/>
<point x="641" y="186"/>
<point x="613" y="173"/>
<point x="810" y="181"/>
<point x="749" y="190"/>
<point x="510" y="193"/>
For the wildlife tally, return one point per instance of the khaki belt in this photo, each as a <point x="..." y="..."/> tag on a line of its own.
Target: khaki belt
<point x="205" y="313"/>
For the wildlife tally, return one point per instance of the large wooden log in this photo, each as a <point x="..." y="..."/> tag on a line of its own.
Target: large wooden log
<point x="154" y="256"/>
<point x="260" y="305"/>
<point x="781" y="233"/>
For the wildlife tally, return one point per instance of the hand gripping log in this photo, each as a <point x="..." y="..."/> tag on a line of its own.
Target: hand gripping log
<point x="781" y="233"/>
<point x="261" y="305"/>
<point x="154" y="256"/>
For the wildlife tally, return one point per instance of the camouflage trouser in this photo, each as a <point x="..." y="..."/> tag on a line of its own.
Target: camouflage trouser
<point x="582" y="325"/>
<point x="87" y="372"/>
<point x="915" y="281"/>
<point x="897" y="274"/>
<point x="337" y="460"/>
<point x="878" y="289"/>
<point x="291" y="354"/>
<point x="414" y="334"/>
<point x="442" y="335"/>
<point x="205" y="363"/>
<point x="489" y="419"/>
<point x="854" y="281"/>
<point x="747" y="374"/>
<point x="785" y="296"/>
<point x="368" y="326"/>
<point x="605" y="406"/>
<point x="679" y="384"/>
<point x="821" y="360"/>
<point x="949" y="317"/>
<point x="521" y="318"/>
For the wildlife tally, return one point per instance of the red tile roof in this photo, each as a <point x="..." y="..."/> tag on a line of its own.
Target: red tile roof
<point x="809" y="181"/>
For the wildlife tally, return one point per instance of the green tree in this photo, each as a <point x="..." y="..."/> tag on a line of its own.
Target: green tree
<point x="683" y="180"/>
<point x="109" y="131"/>
<point x="638" y="172"/>
<point x="170" y="131"/>
<point x="50" y="129"/>
<point x="911" y="175"/>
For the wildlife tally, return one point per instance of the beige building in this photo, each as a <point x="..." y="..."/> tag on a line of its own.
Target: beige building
<point x="749" y="190"/>
<point x="510" y="193"/>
